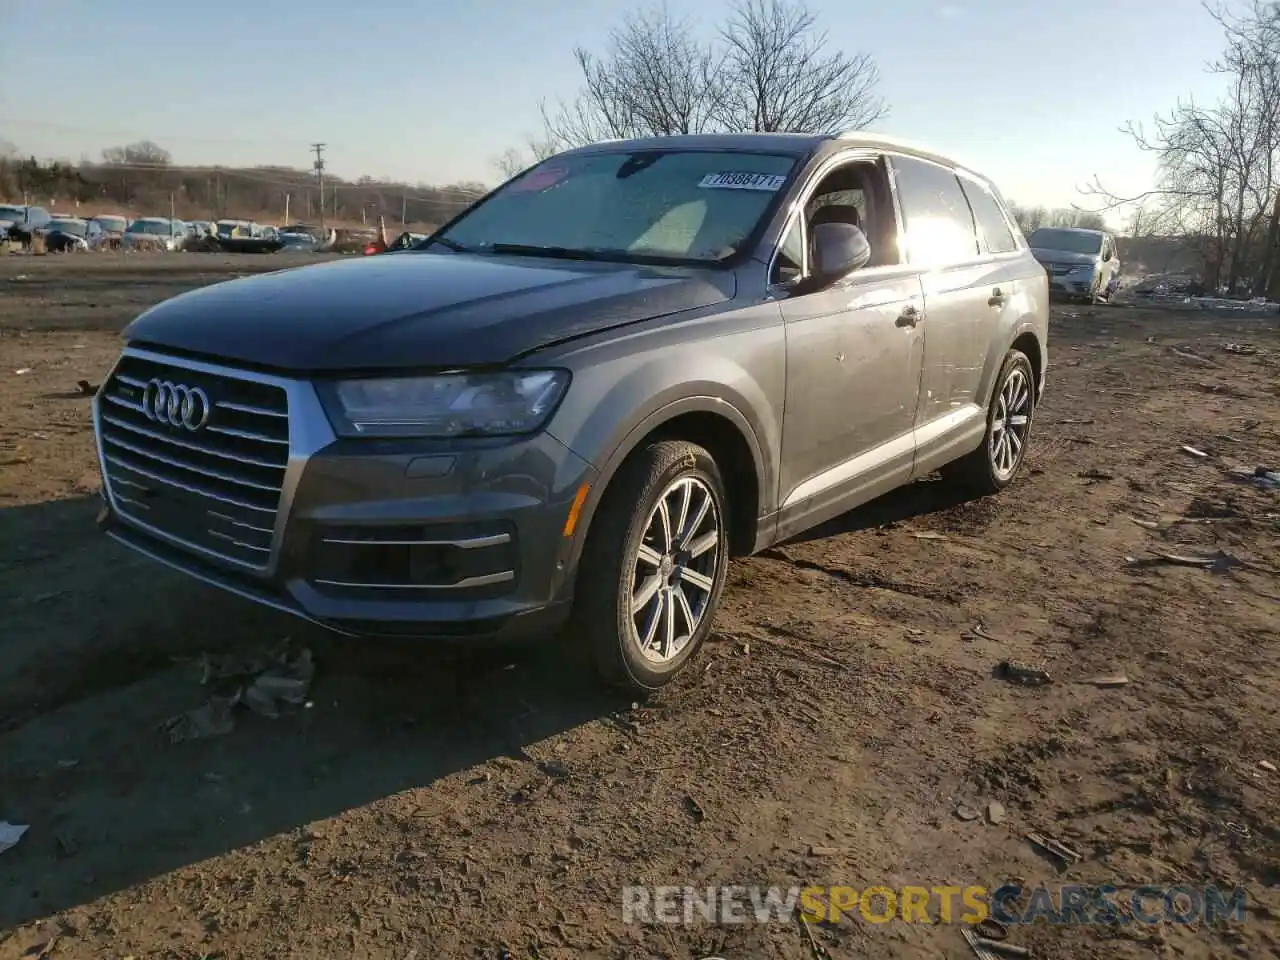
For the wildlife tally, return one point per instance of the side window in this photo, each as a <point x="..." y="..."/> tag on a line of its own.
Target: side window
<point x="939" y="225"/>
<point x="789" y="264"/>
<point x="857" y="193"/>
<point x="992" y="225"/>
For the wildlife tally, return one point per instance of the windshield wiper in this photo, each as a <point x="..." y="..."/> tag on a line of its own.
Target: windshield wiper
<point x="561" y="253"/>
<point x="453" y="245"/>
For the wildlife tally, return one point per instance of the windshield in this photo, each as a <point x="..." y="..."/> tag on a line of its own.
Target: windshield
<point x="700" y="206"/>
<point x="12" y="213"/>
<point x="160" y="228"/>
<point x="1069" y="241"/>
<point x="76" y="227"/>
<point x="111" y="224"/>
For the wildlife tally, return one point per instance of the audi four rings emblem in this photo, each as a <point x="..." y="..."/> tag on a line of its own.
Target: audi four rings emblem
<point x="175" y="404"/>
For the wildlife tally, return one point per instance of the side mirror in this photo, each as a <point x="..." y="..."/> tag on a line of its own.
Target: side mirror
<point x="838" y="250"/>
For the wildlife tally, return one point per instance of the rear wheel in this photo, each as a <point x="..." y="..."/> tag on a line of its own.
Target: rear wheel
<point x="993" y="466"/>
<point x="654" y="566"/>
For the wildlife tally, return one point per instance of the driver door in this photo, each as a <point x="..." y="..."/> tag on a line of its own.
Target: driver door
<point x="854" y="356"/>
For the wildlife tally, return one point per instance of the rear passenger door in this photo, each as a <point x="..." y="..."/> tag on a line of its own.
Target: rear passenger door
<point x="961" y="304"/>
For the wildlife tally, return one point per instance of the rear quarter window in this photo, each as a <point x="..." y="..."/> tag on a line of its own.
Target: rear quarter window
<point x="993" y="226"/>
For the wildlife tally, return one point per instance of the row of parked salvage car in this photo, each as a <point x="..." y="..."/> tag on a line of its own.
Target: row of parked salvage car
<point x="60" y="232"/>
<point x="63" y="232"/>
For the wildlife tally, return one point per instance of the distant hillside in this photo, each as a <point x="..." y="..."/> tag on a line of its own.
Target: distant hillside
<point x="140" y="180"/>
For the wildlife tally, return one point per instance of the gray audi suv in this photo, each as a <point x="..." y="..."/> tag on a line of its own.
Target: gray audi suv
<point x="570" y="406"/>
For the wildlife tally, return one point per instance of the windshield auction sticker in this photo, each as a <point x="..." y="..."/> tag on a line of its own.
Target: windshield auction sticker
<point x="538" y="179"/>
<point x="730" y="180"/>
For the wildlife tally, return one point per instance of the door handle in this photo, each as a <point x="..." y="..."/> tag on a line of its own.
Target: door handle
<point x="909" y="317"/>
<point x="996" y="299"/>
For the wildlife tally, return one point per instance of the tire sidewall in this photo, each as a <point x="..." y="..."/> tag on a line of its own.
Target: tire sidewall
<point x="640" y="671"/>
<point x="1014" y="359"/>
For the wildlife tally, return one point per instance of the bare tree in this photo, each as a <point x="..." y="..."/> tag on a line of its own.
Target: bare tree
<point x="767" y="68"/>
<point x="1140" y="224"/>
<point x="142" y="153"/>
<point x="1031" y="219"/>
<point x="778" y="74"/>
<point x="510" y="163"/>
<point x="654" y="79"/>
<point x="1216" y="165"/>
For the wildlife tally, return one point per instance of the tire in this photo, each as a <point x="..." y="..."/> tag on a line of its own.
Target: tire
<point x="1095" y="295"/>
<point x="624" y="551"/>
<point x="987" y="470"/>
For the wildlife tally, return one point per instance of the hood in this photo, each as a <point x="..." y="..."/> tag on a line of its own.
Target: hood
<point x="1045" y="255"/>
<point x="436" y="310"/>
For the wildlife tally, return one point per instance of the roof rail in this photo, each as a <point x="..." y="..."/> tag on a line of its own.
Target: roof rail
<point x="884" y="140"/>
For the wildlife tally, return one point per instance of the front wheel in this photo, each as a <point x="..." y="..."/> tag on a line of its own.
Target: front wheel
<point x="654" y="566"/>
<point x="993" y="466"/>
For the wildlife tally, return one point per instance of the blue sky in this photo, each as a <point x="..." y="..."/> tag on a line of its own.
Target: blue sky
<point x="1030" y="93"/>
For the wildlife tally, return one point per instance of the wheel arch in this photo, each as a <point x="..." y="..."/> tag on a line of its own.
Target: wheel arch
<point x="1029" y="343"/>
<point x="1025" y="336"/>
<point x="710" y="422"/>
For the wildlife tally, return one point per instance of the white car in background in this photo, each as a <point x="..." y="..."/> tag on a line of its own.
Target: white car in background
<point x="1080" y="263"/>
<point x="146" y="232"/>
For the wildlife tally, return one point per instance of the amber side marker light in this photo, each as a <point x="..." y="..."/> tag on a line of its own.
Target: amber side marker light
<point x="575" y="509"/>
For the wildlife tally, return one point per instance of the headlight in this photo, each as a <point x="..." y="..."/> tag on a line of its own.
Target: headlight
<point x="454" y="405"/>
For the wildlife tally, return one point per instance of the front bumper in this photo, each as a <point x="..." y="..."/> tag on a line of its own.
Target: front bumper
<point x="1071" y="285"/>
<point x="447" y="539"/>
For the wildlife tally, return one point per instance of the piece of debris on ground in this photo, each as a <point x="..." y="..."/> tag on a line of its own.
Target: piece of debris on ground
<point x="261" y="681"/>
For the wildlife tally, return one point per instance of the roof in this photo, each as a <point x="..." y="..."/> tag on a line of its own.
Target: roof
<point x="789" y="144"/>
<point x="794" y="144"/>
<point x="1089" y="230"/>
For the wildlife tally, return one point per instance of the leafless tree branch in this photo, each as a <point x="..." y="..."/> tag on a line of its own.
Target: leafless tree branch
<point x="1216" y="165"/>
<point x="768" y="68"/>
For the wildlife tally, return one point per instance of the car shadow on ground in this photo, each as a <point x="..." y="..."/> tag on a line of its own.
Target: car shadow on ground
<point x="99" y="651"/>
<point x="929" y="495"/>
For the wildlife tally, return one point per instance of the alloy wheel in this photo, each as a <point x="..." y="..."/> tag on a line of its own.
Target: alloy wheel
<point x="675" y="569"/>
<point x="1010" y="424"/>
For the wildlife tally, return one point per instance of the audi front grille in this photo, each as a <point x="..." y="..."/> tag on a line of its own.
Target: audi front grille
<point x="196" y="454"/>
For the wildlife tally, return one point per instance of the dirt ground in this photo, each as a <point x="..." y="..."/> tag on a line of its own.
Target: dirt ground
<point x="493" y="806"/>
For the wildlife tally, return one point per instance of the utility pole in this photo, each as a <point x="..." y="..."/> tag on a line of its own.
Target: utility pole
<point x="319" y="149"/>
<point x="286" y="210"/>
